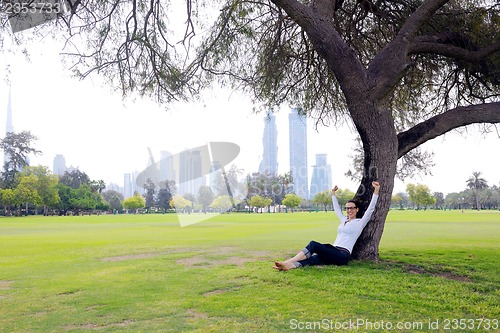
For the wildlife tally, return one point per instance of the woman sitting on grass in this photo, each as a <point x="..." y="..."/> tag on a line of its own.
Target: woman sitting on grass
<point x="348" y="232"/>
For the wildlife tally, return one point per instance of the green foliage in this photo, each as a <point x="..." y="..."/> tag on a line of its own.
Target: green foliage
<point x="224" y="203"/>
<point x="46" y="185"/>
<point x="259" y="202"/>
<point x="135" y="202"/>
<point x="16" y="147"/>
<point x="205" y="196"/>
<point x="26" y="192"/>
<point x="7" y="199"/>
<point x="79" y="199"/>
<point x="323" y="198"/>
<point x="179" y="202"/>
<point x="74" y="179"/>
<point x="420" y="195"/>
<point x="476" y="183"/>
<point x="271" y="186"/>
<point x="114" y="199"/>
<point x="292" y="200"/>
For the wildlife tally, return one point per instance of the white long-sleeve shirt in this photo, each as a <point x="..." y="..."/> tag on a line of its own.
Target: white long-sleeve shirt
<point x="348" y="232"/>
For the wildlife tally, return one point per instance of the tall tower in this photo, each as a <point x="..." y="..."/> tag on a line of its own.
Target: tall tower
<point x="190" y="172"/>
<point x="9" y="128"/>
<point x="59" y="165"/>
<point x="321" y="179"/>
<point x="128" y="190"/>
<point x="166" y="166"/>
<point x="298" y="152"/>
<point x="269" y="163"/>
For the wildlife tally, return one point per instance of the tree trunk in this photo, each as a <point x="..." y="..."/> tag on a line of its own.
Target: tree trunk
<point x="380" y="160"/>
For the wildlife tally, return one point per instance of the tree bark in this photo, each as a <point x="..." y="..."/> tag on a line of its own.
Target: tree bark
<point x="445" y="122"/>
<point x="380" y="161"/>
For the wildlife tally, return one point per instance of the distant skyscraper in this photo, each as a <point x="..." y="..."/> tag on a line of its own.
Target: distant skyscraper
<point x="269" y="163"/>
<point x="9" y="128"/>
<point x="128" y="186"/>
<point x="166" y="166"/>
<point x="190" y="172"/>
<point x="298" y="152"/>
<point x="59" y="165"/>
<point x="321" y="179"/>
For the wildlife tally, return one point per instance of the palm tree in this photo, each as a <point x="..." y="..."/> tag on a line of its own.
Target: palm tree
<point x="286" y="179"/>
<point x="476" y="183"/>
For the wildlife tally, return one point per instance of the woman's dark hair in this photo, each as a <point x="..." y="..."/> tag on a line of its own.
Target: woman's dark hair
<point x="358" y="215"/>
<point x="354" y="202"/>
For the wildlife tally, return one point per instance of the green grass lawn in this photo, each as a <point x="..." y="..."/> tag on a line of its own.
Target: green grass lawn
<point x="137" y="273"/>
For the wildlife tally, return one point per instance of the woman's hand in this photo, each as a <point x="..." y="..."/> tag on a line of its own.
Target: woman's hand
<point x="335" y="188"/>
<point x="376" y="186"/>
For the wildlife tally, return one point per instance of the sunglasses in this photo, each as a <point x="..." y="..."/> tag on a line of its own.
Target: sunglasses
<point x="350" y="208"/>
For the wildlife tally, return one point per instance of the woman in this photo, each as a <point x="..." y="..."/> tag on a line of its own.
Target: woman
<point x="348" y="232"/>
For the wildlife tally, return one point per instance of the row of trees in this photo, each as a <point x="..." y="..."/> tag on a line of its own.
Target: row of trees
<point x="24" y="188"/>
<point x="477" y="195"/>
<point x="35" y="188"/>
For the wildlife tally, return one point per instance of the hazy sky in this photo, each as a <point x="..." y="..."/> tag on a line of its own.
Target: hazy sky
<point x="106" y="136"/>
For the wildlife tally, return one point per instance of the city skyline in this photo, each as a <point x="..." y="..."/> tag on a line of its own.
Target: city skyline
<point x="107" y="136"/>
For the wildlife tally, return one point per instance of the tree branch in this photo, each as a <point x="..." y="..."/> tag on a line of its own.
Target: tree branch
<point x="388" y="66"/>
<point x="299" y="12"/>
<point x="445" y="122"/>
<point x="325" y="7"/>
<point x="413" y="24"/>
<point x="434" y="45"/>
<point x="341" y="58"/>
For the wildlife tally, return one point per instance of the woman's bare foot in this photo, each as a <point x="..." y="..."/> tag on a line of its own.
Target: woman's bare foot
<point x="283" y="266"/>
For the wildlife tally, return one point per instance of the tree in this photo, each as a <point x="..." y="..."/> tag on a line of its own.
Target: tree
<point x="439" y="196"/>
<point x="84" y="199"/>
<point x="165" y="193"/>
<point x="150" y="188"/>
<point x="223" y="203"/>
<point x="114" y="199"/>
<point x="487" y="198"/>
<point x="205" y="197"/>
<point x="135" y="202"/>
<point x="291" y="201"/>
<point x="259" y="202"/>
<point x="26" y="193"/>
<point x="7" y="199"/>
<point x="476" y="184"/>
<point x="65" y="195"/>
<point x="180" y="203"/>
<point x="399" y="199"/>
<point x="323" y="198"/>
<point x="16" y="147"/>
<point x="46" y="185"/>
<point x="403" y="72"/>
<point x="98" y="185"/>
<point x="461" y="200"/>
<point x="286" y="181"/>
<point x="420" y="195"/>
<point x="74" y="179"/>
<point x="227" y="183"/>
<point x="266" y="185"/>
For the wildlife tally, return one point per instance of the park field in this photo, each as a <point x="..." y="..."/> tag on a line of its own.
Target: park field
<point x="438" y="272"/>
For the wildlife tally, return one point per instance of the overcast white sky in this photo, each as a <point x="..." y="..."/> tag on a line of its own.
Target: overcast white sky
<point x="106" y="137"/>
